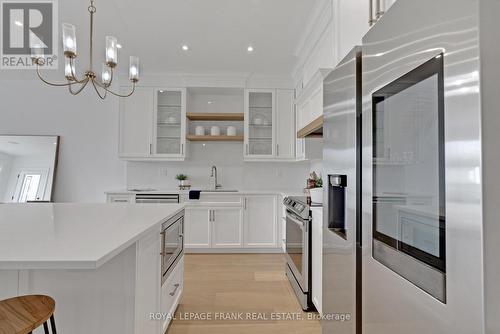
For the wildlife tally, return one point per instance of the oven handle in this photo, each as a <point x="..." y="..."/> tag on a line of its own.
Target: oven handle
<point x="296" y="221"/>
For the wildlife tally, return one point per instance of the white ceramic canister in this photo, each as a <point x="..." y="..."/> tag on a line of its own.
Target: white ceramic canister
<point x="199" y="130"/>
<point x="231" y="131"/>
<point x="215" y="131"/>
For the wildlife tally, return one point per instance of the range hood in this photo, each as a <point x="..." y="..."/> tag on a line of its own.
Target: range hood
<point x="312" y="130"/>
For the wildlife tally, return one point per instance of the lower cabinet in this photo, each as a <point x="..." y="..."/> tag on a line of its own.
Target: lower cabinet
<point x="197" y="228"/>
<point x="260" y="221"/>
<point x="227" y="228"/>
<point x="251" y="224"/>
<point x="171" y="292"/>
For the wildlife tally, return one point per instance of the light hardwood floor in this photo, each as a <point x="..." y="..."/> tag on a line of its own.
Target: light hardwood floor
<point x="239" y="284"/>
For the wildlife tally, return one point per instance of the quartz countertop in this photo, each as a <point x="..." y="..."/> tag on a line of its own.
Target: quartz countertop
<point x="284" y="192"/>
<point x="74" y="236"/>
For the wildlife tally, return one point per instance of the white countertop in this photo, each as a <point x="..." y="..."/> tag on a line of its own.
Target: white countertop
<point x="285" y="192"/>
<point x="73" y="236"/>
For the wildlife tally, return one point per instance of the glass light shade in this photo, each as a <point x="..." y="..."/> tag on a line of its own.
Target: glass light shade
<point x="69" y="68"/>
<point x="106" y="74"/>
<point x="134" y="69"/>
<point x="37" y="52"/>
<point x="69" y="39"/>
<point x="111" y="51"/>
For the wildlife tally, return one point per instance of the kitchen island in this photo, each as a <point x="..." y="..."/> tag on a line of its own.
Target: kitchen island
<point x="100" y="262"/>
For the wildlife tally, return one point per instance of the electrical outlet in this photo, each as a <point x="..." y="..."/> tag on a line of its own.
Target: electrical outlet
<point x="163" y="171"/>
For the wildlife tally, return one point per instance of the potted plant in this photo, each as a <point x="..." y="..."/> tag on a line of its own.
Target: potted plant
<point x="315" y="185"/>
<point x="182" y="180"/>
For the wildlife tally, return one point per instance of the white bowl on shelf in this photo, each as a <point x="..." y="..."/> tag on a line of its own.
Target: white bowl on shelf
<point x="231" y="131"/>
<point x="215" y="131"/>
<point x="199" y="131"/>
<point x="258" y="121"/>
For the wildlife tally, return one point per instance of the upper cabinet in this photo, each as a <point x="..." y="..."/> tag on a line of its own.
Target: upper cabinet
<point x="269" y="125"/>
<point x="169" y="131"/>
<point x="260" y="115"/>
<point x="153" y="125"/>
<point x="136" y="119"/>
<point x="154" y="122"/>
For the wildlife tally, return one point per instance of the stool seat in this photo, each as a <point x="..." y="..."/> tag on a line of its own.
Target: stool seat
<point x="21" y="315"/>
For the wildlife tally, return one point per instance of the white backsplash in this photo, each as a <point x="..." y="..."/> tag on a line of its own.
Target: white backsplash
<point x="233" y="172"/>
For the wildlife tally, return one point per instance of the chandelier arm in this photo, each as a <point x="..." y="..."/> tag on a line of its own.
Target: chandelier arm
<point x="96" y="84"/>
<point x="83" y="84"/>
<point x="71" y="63"/>
<point x="52" y="83"/>
<point x="111" y="76"/>
<point x="123" y="95"/>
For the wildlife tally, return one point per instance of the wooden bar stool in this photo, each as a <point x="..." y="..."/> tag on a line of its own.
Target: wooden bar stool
<point x="21" y="315"/>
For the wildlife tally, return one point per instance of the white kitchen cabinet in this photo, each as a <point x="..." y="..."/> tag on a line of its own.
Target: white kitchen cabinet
<point x="197" y="228"/>
<point x="136" y="120"/>
<point x="285" y="124"/>
<point x="260" y="224"/>
<point x="317" y="257"/>
<point x="227" y="228"/>
<point x="269" y="125"/>
<point x="147" y="282"/>
<point x="153" y="125"/>
<point x="169" y="123"/>
<point x="171" y="292"/>
<point x="260" y="115"/>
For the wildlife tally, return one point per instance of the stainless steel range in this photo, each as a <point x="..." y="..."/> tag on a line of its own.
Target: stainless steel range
<point x="298" y="248"/>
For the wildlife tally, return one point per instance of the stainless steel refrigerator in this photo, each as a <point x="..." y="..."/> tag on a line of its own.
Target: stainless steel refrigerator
<point x="405" y="204"/>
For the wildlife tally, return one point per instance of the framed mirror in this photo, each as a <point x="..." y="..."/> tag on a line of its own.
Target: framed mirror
<point x="28" y="167"/>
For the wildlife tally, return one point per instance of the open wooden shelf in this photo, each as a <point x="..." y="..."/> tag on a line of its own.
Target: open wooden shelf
<point x="214" y="138"/>
<point x="198" y="116"/>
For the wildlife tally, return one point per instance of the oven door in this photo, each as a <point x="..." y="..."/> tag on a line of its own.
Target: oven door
<point x="172" y="241"/>
<point x="297" y="248"/>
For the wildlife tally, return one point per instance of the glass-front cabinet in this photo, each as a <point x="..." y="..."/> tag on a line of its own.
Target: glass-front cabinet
<point x="169" y="126"/>
<point x="153" y="124"/>
<point x="259" y="123"/>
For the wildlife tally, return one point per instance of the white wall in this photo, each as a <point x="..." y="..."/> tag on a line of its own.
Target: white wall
<point x="88" y="159"/>
<point x="233" y="173"/>
<point x="5" y="171"/>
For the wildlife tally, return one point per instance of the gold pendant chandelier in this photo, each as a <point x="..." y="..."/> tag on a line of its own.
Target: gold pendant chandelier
<point x="75" y="85"/>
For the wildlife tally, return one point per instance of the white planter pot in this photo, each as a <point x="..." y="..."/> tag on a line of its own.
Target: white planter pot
<point x="316" y="195"/>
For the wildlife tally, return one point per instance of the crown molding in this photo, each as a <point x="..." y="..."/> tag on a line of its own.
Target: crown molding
<point x="318" y="23"/>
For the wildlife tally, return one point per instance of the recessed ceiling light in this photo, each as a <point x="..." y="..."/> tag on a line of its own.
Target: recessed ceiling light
<point x="17" y="23"/>
<point x="185" y="47"/>
<point x="209" y="102"/>
<point x="250" y="48"/>
<point x="119" y="46"/>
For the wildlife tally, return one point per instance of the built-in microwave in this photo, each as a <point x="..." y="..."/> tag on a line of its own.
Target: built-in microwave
<point x="172" y="244"/>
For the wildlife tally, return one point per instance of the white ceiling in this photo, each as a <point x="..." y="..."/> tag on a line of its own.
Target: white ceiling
<point x="217" y="32"/>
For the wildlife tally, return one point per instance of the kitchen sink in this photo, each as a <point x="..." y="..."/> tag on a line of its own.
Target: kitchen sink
<point x="219" y="191"/>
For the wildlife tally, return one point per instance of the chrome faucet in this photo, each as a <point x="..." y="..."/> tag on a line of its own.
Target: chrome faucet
<point x="214" y="178"/>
